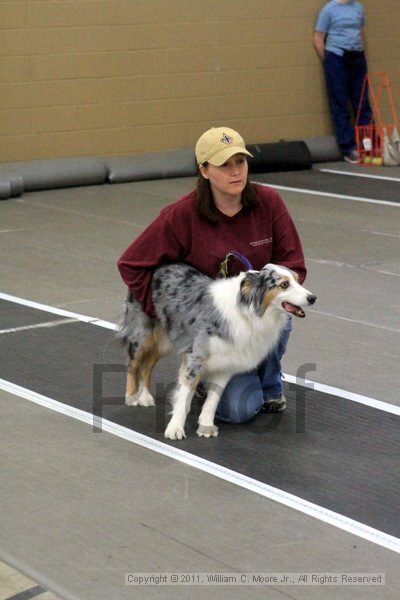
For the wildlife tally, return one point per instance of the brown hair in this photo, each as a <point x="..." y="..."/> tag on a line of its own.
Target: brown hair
<point x="205" y="199"/>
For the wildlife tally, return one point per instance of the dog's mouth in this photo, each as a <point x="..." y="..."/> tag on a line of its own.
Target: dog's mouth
<point x="293" y="309"/>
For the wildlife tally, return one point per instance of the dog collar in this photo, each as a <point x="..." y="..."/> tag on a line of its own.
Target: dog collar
<point x="223" y="268"/>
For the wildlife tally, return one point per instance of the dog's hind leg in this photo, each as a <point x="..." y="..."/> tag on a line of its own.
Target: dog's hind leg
<point x="132" y="377"/>
<point x="215" y="386"/>
<point x="138" y="381"/>
<point x="141" y="367"/>
<point x="144" y="396"/>
<point x="188" y="379"/>
<point x="134" y="384"/>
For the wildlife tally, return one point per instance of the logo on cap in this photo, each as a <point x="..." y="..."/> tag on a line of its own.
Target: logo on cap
<point x="226" y="139"/>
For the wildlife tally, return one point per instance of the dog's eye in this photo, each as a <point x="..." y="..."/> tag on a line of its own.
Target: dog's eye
<point x="284" y="285"/>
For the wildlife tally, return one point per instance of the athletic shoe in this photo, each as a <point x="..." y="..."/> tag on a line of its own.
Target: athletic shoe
<point x="352" y="157"/>
<point x="274" y="405"/>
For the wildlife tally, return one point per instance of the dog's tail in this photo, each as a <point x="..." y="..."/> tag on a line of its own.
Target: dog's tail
<point x="134" y="328"/>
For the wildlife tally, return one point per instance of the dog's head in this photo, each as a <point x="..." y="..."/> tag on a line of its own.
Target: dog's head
<point x="274" y="288"/>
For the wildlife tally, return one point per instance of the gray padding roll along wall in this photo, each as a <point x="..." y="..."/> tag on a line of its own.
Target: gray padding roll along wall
<point x="280" y="156"/>
<point x="11" y="184"/>
<point x="323" y="149"/>
<point x="17" y="177"/>
<point x="158" y="165"/>
<point x="5" y="190"/>
<point x="57" y="173"/>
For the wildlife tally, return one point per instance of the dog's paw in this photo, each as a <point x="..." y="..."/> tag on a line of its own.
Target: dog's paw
<point x="207" y="431"/>
<point x="145" y="399"/>
<point x="174" y="432"/>
<point x="131" y="400"/>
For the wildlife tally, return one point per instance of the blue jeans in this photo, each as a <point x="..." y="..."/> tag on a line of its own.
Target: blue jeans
<point x="245" y="393"/>
<point x="344" y="76"/>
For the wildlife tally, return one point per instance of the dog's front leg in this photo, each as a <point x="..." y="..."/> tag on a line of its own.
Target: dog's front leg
<point x="190" y="373"/>
<point x="182" y="399"/>
<point x="180" y="407"/>
<point x="215" y="385"/>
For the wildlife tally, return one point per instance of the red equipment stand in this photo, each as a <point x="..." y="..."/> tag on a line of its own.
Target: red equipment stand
<point x="370" y="138"/>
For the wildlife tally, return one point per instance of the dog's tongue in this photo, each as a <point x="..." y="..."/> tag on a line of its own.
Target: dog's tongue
<point x="293" y="309"/>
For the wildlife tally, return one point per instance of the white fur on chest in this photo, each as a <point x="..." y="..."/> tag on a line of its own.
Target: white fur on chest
<point x="252" y="336"/>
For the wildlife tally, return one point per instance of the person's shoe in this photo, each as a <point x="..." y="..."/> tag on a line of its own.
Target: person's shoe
<point x="352" y="157"/>
<point x="274" y="405"/>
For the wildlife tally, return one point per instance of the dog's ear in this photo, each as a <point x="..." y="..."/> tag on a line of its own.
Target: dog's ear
<point x="253" y="288"/>
<point x="271" y="268"/>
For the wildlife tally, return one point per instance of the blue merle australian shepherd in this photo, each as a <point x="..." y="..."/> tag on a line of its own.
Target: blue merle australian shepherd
<point x="220" y="327"/>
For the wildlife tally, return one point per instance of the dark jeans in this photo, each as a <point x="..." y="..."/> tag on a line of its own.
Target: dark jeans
<point x="245" y="393"/>
<point x="344" y="77"/>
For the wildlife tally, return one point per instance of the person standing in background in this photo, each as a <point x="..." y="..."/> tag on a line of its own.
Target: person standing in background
<point x="339" y="41"/>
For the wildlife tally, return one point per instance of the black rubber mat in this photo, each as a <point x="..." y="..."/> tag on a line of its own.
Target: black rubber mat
<point x="279" y="156"/>
<point x="346" y="185"/>
<point x="336" y="453"/>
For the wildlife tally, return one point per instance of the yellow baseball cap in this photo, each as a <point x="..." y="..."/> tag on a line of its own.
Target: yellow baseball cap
<point x="218" y="144"/>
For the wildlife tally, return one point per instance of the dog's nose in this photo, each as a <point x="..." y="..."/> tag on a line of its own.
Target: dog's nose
<point x="311" y="299"/>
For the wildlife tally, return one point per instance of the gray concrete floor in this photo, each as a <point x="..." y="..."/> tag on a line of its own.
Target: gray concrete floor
<point x="82" y="509"/>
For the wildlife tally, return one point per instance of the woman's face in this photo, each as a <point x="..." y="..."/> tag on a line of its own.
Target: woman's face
<point x="230" y="178"/>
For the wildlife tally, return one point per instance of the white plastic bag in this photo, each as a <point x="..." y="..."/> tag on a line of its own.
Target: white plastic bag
<point x="391" y="148"/>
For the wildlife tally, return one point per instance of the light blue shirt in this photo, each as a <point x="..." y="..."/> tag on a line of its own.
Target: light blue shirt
<point x="342" y="23"/>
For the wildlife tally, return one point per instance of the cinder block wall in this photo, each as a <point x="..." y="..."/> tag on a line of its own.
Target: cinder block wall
<point x="112" y="77"/>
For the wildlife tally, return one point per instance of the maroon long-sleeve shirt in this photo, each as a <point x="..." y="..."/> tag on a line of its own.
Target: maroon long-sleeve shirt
<point x="181" y="234"/>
